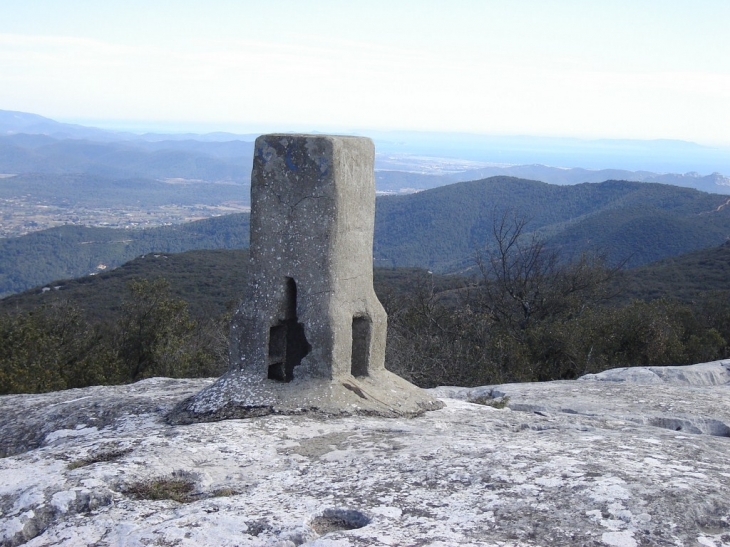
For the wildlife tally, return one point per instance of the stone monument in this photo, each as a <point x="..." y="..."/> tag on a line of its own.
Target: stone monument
<point x="310" y="333"/>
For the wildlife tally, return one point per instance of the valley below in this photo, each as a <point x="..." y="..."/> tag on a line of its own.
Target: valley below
<point x="20" y="216"/>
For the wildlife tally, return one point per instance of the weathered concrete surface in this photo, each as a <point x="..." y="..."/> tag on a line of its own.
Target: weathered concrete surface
<point x="310" y="333"/>
<point x="570" y="463"/>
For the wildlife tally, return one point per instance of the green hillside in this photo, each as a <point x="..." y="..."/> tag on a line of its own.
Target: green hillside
<point x="210" y="281"/>
<point x="442" y="330"/>
<point x="442" y="228"/>
<point x="74" y="251"/>
<point x="689" y="277"/>
<point x="439" y="229"/>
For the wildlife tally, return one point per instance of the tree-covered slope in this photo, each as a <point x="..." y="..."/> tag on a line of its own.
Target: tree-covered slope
<point x="439" y="229"/>
<point x="638" y="235"/>
<point x="687" y="277"/>
<point x="210" y="281"/>
<point x="444" y="227"/>
<point x="73" y="251"/>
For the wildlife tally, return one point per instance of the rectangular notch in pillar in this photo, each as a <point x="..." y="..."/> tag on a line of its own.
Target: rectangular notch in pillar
<point x="287" y="343"/>
<point x="361" y="332"/>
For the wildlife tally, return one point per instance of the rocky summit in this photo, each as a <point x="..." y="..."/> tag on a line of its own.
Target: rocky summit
<point x="628" y="457"/>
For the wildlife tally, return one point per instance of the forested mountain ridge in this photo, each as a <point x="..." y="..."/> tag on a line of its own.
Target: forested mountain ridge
<point x="633" y="221"/>
<point x="30" y="143"/>
<point x="394" y="181"/>
<point x="231" y="161"/>
<point x="74" y="251"/>
<point x="13" y="122"/>
<point x="442" y="330"/>
<point x="210" y="281"/>
<point x="440" y="229"/>
<point x="687" y="277"/>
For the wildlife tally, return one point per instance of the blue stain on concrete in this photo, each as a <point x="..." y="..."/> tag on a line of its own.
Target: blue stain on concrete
<point x="289" y="159"/>
<point x="323" y="166"/>
<point x="261" y="155"/>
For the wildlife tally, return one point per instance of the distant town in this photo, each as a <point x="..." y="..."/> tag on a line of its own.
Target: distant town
<point x="25" y="214"/>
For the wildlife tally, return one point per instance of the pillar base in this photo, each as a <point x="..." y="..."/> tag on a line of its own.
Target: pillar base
<point x="241" y="395"/>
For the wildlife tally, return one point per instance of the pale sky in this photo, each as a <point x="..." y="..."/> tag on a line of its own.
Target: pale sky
<point x="643" y="69"/>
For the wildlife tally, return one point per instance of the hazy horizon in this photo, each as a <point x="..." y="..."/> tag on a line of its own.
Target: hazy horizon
<point x="598" y="70"/>
<point x="657" y="155"/>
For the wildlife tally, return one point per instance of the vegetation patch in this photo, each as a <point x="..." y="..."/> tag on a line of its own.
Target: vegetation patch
<point x="179" y="487"/>
<point x="54" y="347"/>
<point x="334" y="520"/>
<point x="528" y="313"/>
<point x="100" y="456"/>
<point x="498" y="402"/>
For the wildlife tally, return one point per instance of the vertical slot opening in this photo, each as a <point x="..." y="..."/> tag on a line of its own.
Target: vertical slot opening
<point x="287" y="343"/>
<point x="361" y="328"/>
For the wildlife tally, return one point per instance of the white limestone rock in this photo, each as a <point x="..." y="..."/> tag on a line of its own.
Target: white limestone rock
<point x="563" y="463"/>
<point x="701" y="374"/>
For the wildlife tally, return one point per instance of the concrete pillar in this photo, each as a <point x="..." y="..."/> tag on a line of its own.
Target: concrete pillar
<point x="310" y="332"/>
<point x="312" y="220"/>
